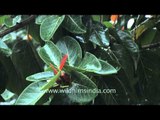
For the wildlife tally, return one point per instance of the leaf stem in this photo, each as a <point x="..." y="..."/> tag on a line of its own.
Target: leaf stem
<point x="150" y="46"/>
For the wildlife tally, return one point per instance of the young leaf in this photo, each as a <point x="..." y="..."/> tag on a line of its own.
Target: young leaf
<point x="40" y="76"/>
<point x="108" y="24"/>
<point x="49" y="53"/>
<point x="2" y="19"/>
<point x="63" y="61"/>
<point x="70" y="46"/>
<point x="49" y="26"/>
<point x="51" y="82"/>
<point x="31" y="94"/>
<point x="73" y="23"/>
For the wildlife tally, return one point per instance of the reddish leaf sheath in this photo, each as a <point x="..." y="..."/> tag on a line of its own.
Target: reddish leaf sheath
<point x="122" y="28"/>
<point x="54" y="69"/>
<point x="63" y="61"/>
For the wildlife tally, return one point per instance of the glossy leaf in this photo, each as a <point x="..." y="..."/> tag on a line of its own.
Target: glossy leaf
<point x="49" y="53"/>
<point x="49" y="26"/>
<point x="100" y="38"/>
<point x="31" y="94"/>
<point x="40" y="76"/>
<point x="73" y="23"/>
<point x="82" y="83"/>
<point x="106" y="69"/>
<point x="33" y="30"/>
<point x="118" y="94"/>
<point x="141" y="28"/>
<point x="7" y="95"/>
<point x="70" y="46"/>
<point x="40" y="19"/>
<point x="90" y="63"/>
<point x="9" y="78"/>
<point x="148" y="36"/>
<point x="25" y="62"/>
<point x="4" y="49"/>
<point x="126" y="74"/>
<point x="127" y="41"/>
<point x="10" y="22"/>
<point x="51" y="81"/>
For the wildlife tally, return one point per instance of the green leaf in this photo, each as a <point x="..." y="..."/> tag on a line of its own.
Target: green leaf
<point x="3" y="74"/>
<point x="73" y="23"/>
<point x="127" y="41"/>
<point x="40" y="76"/>
<point x="49" y="53"/>
<point x="90" y="63"/>
<point x="108" y="56"/>
<point x="96" y="18"/>
<point x="31" y="94"/>
<point x="100" y="38"/>
<point x="9" y="78"/>
<point x="7" y="95"/>
<point x="118" y="94"/>
<point x="51" y="82"/>
<point x="33" y="30"/>
<point x="49" y="26"/>
<point x="147" y="37"/>
<point x="5" y="49"/>
<point x="2" y="19"/>
<point x="17" y="19"/>
<point x="141" y="28"/>
<point x="70" y="46"/>
<point x="108" y="24"/>
<point x="126" y="74"/>
<point x="149" y="74"/>
<point x="83" y="89"/>
<point x="25" y="63"/>
<point x="10" y="22"/>
<point x="40" y="19"/>
<point x="106" y="69"/>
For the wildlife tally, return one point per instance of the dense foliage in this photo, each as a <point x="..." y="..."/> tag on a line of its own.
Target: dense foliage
<point x="41" y="54"/>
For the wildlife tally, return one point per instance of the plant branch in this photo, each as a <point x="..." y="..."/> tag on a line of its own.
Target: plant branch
<point x="18" y="26"/>
<point x="150" y="46"/>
